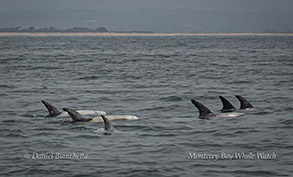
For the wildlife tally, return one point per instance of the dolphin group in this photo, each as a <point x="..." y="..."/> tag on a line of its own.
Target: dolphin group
<point x="228" y="109"/>
<point x="78" y="116"/>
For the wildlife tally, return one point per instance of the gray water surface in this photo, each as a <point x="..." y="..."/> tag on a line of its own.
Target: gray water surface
<point x="153" y="78"/>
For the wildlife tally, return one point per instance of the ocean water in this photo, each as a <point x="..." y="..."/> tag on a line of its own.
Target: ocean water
<point x="153" y="78"/>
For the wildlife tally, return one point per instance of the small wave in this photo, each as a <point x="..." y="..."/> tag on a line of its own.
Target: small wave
<point x="45" y="129"/>
<point x="282" y="123"/>
<point x="43" y="68"/>
<point x="286" y="121"/>
<point x="43" y="133"/>
<point x="171" y="98"/>
<point x="7" y="86"/>
<point x="11" y="130"/>
<point x="14" y="135"/>
<point x="240" y="82"/>
<point x="80" y="127"/>
<point x="87" y="78"/>
<point x="248" y="172"/>
<point x="39" y="171"/>
<point x="89" y="136"/>
<point x="15" y="121"/>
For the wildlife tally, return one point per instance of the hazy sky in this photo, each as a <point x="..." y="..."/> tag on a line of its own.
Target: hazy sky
<point x="261" y="5"/>
<point x="152" y="15"/>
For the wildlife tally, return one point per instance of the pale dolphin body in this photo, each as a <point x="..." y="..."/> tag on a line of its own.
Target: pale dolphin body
<point x="115" y="117"/>
<point x="54" y="112"/>
<point x="205" y="113"/>
<point x="77" y="117"/>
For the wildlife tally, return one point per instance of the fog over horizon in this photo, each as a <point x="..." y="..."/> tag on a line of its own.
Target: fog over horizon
<point x="152" y="15"/>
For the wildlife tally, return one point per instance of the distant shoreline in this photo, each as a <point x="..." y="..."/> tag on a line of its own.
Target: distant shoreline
<point x="136" y="34"/>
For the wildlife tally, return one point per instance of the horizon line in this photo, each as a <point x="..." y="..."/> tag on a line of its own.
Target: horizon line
<point x="140" y="34"/>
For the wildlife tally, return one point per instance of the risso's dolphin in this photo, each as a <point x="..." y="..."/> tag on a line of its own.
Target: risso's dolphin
<point x="54" y="112"/>
<point x="205" y="113"/>
<point x="227" y="106"/>
<point x="77" y="117"/>
<point x="244" y="104"/>
<point x="109" y="128"/>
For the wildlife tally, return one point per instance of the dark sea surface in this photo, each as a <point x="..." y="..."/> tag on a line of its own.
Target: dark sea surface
<point x="153" y="78"/>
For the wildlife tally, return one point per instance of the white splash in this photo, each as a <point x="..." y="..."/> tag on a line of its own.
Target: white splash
<point x="231" y="114"/>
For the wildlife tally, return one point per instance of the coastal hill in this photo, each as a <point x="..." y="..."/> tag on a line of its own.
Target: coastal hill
<point x="32" y="29"/>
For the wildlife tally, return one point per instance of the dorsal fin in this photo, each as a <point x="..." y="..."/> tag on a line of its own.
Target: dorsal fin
<point x="244" y="104"/>
<point x="204" y="112"/>
<point x="53" y="111"/>
<point x="76" y="117"/>
<point x="108" y="125"/>
<point x="227" y="106"/>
